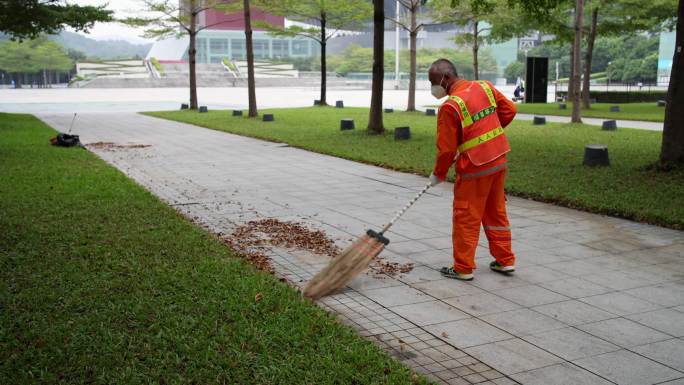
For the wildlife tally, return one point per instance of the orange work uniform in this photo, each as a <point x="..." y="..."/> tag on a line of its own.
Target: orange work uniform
<point x="470" y="130"/>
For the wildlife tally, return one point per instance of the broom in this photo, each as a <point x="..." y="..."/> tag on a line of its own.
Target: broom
<point x="354" y="259"/>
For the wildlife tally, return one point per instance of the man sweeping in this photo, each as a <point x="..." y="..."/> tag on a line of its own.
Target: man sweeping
<point x="470" y="133"/>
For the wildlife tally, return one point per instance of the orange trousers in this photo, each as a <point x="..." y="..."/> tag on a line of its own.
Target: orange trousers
<point x="480" y="200"/>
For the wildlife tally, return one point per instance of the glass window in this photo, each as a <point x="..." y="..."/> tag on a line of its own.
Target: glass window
<point x="201" y="55"/>
<point x="237" y="49"/>
<point x="281" y="48"/>
<point x="218" y="46"/>
<point x="261" y="50"/>
<point x="300" y="47"/>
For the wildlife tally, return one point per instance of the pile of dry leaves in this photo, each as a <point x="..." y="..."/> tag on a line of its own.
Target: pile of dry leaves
<point x="114" y="146"/>
<point x="252" y="241"/>
<point x="253" y="238"/>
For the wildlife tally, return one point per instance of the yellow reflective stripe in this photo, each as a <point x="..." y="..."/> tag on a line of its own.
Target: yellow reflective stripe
<point x="467" y="119"/>
<point x="467" y="145"/>
<point x="488" y="91"/>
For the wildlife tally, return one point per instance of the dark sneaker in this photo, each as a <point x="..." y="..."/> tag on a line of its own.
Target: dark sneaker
<point x="496" y="266"/>
<point x="449" y="272"/>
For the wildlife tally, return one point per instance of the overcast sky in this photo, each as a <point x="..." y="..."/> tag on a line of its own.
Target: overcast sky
<point x="115" y="31"/>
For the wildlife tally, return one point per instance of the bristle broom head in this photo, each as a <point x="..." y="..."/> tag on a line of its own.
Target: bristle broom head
<point x="343" y="268"/>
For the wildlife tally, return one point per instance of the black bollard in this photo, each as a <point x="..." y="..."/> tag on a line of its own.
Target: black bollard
<point x="614" y="108"/>
<point x="402" y="133"/>
<point x="237" y="112"/>
<point x="389" y="110"/>
<point x="339" y="104"/>
<point x="596" y="155"/>
<point x="268" y="118"/>
<point x="539" y="120"/>
<point x="609" y="125"/>
<point x="430" y="112"/>
<point x="347" y="124"/>
<point x="562" y="106"/>
<point x="203" y="109"/>
<point x="184" y="106"/>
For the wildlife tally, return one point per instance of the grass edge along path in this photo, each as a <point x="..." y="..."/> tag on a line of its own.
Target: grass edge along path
<point x="646" y="112"/>
<point x="545" y="163"/>
<point x="100" y="282"/>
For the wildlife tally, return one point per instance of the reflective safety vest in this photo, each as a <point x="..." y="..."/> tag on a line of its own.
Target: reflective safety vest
<point x="483" y="139"/>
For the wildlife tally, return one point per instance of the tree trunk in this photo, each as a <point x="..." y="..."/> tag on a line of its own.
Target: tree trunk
<point x="476" y="47"/>
<point x="192" y="57"/>
<point x="571" y="86"/>
<point x="324" y="68"/>
<point x="251" y="86"/>
<point x="375" y="125"/>
<point x="413" y="36"/>
<point x="586" y="103"/>
<point x="672" y="150"/>
<point x="17" y="80"/>
<point x="576" y="62"/>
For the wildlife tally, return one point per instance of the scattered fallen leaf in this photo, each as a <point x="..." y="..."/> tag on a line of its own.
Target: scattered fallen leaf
<point x="445" y="334"/>
<point x="258" y="297"/>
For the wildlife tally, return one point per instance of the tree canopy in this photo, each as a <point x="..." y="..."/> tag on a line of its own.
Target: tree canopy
<point x="23" y="19"/>
<point x="31" y="56"/>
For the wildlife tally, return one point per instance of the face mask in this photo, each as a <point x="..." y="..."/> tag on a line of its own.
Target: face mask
<point x="437" y="90"/>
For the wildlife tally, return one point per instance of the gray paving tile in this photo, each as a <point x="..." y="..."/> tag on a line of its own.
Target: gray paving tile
<point x="620" y="303"/>
<point x="674" y="382"/>
<point x="670" y="352"/>
<point x="573" y="312"/>
<point x="530" y="295"/>
<point x="512" y="356"/>
<point x="489" y="280"/>
<point x="539" y="274"/>
<point x="570" y="343"/>
<point x="666" y="294"/>
<point x="447" y="288"/>
<point x="468" y="332"/>
<point x="574" y="268"/>
<point x="614" y="246"/>
<point x="396" y="295"/>
<point x="668" y="321"/>
<point x="420" y="274"/>
<point x="559" y="374"/>
<point x="618" y="280"/>
<point x="372" y="281"/>
<point x="522" y="322"/>
<point x="429" y="313"/>
<point x="625" y="367"/>
<point x="575" y="287"/>
<point x="481" y="304"/>
<point x="624" y="332"/>
<point x="432" y="258"/>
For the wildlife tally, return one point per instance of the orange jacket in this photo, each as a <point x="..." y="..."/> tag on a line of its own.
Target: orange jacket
<point x="449" y="130"/>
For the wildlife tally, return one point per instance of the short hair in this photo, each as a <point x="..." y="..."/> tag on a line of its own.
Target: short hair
<point x="445" y="66"/>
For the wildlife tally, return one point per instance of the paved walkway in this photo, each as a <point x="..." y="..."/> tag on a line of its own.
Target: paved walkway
<point x="638" y="124"/>
<point x="596" y="300"/>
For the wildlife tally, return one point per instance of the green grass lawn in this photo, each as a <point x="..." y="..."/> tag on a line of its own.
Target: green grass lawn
<point x="545" y="164"/>
<point x="102" y="283"/>
<point x="628" y="111"/>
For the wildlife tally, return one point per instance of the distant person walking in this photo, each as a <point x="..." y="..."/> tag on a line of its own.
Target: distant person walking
<point x="519" y="89"/>
<point x="470" y="133"/>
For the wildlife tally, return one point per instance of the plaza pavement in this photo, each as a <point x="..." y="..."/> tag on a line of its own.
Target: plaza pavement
<point x="595" y="300"/>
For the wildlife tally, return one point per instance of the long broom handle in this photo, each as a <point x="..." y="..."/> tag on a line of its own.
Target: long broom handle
<point x="402" y="211"/>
